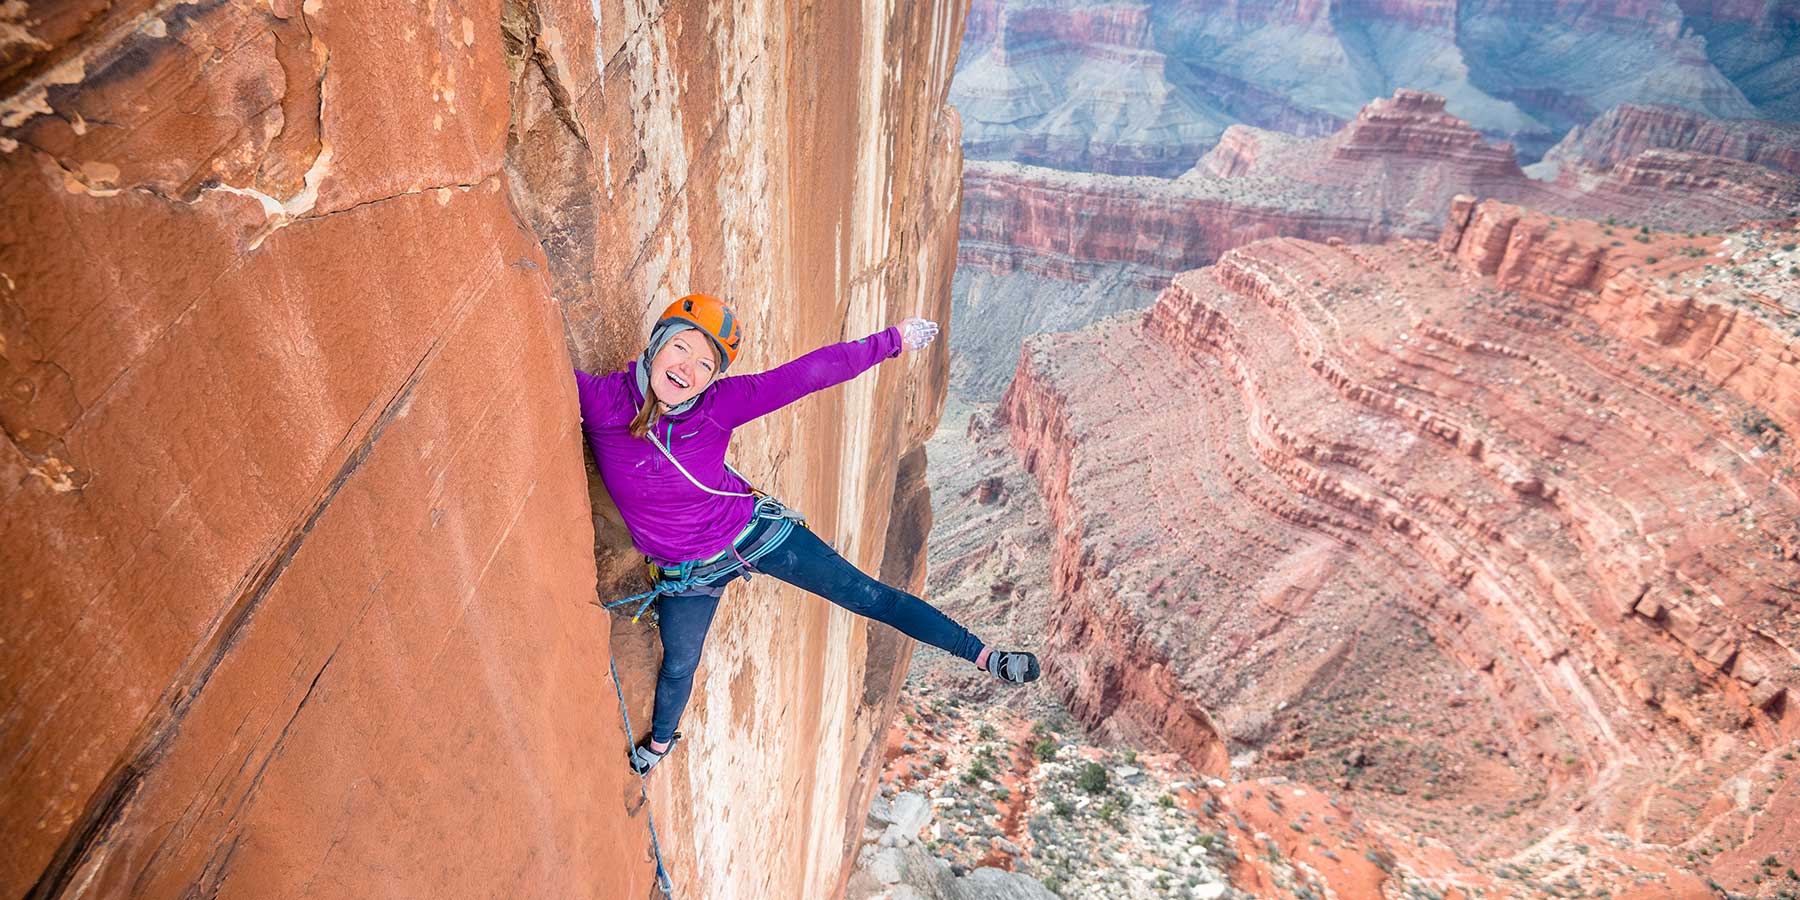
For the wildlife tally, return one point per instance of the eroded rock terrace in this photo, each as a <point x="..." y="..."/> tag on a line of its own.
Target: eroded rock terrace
<point x="1496" y="533"/>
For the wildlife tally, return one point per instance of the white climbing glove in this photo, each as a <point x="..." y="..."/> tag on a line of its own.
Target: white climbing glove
<point x="915" y="332"/>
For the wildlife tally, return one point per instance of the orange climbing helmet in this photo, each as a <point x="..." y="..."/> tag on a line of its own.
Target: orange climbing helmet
<point x="711" y="315"/>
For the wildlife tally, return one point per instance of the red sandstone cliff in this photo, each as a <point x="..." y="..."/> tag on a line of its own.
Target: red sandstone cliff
<point x="1060" y="223"/>
<point x="1046" y="250"/>
<point x="299" y="543"/>
<point x="1628" y="130"/>
<point x="1495" y="536"/>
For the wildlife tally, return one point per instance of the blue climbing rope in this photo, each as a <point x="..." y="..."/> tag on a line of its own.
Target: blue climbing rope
<point x="662" y="874"/>
<point x="690" y="574"/>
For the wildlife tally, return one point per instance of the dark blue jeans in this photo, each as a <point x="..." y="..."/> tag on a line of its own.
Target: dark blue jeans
<point x="810" y="564"/>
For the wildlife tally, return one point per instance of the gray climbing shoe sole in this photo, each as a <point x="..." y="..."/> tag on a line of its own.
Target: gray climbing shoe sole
<point x="1015" y="666"/>
<point x="643" y="759"/>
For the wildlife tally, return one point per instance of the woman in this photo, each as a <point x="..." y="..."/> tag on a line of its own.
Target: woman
<point x="659" y="431"/>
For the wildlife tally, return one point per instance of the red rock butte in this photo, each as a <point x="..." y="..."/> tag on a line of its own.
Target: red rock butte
<point x="1494" y="538"/>
<point x="298" y="539"/>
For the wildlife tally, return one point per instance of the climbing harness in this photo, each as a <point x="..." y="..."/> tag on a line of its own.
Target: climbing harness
<point x="770" y="524"/>
<point x="722" y="566"/>
<point x="662" y="874"/>
<point x="685" y="577"/>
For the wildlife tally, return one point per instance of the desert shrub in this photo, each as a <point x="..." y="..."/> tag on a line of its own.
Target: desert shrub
<point x="1093" y="778"/>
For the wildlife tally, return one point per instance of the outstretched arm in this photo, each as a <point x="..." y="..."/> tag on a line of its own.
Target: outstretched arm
<point x="742" y="398"/>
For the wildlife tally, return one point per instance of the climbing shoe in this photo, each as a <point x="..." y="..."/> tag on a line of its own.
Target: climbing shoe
<point x="1015" y="666"/>
<point x="643" y="759"/>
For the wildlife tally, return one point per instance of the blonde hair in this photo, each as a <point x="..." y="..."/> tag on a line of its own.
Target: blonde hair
<point x="646" y="416"/>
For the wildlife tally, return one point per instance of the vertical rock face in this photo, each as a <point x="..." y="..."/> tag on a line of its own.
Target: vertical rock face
<point x="298" y="537"/>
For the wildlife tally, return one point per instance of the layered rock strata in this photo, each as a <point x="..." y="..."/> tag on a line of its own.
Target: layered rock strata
<point x="1392" y="171"/>
<point x="1046" y="250"/>
<point x="299" y="541"/>
<point x="1406" y="157"/>
<point x="1086" y="88"/>
<point x="1628" y="130"/>
<point x="1136" y="88"/>
<point x="1496" y="534"/>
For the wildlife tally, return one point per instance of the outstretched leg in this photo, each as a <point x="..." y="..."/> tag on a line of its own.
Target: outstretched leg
<point x="808" y="563"/>
<point x="682" y="620"/>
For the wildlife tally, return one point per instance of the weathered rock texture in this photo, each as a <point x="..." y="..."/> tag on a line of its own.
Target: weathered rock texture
<point x="1497" y="534"/>
<point x="1145" y="87"/>
<point x="298" y="539"/>
<point x="1628" y="130"/>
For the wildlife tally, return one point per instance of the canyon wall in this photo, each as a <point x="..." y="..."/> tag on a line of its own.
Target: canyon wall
<point x="1628" y="130"/>
<point x="1049" y="250"/>
<point x="1088" y="88"/>
<point x="300" y="542"/>
<point x="1493" y="536"/>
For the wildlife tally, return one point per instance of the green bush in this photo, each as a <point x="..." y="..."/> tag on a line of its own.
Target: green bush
<point x="1045" y="749"/>
<point x="1092" y="779"/>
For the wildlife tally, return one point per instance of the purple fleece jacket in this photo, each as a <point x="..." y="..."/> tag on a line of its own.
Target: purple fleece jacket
<point x="670" y="519"/>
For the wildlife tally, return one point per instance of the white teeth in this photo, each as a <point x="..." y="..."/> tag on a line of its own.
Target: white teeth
<point x="678" y="382"/>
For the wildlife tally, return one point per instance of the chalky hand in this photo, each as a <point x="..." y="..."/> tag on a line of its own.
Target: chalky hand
<point x="915" y="332"/>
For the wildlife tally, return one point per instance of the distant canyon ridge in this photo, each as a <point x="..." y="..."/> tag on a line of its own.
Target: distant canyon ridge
<point x="1148" y="88"/>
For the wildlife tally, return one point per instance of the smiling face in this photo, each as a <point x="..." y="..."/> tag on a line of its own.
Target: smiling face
<point x="683" y="367"/>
